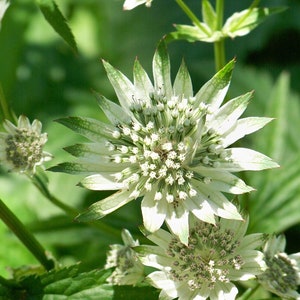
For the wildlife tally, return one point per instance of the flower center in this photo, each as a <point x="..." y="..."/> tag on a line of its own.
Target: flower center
<point x="162" y="142"/>
<point x="24" y="149"/>
<point x="208" y="258"/>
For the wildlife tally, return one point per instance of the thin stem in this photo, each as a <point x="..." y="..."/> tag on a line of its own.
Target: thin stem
<point x="219" y="46"/>
<point x="70" y="211"/>
<point x="42" y="187"/>
<point x="5" y="110"/>
<point x="191" y="16"/>
<point x="28" y="240"/>
<point x="249" y="293"/>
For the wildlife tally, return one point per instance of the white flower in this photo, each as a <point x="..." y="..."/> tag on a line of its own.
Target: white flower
<point x="215" y="256"/>
<point x="21" y="147"/>
<point x="164" y="140"/>
<point x="128" y="269"/>
<point x="3" y="7"/>
<point x="283" y="274"/>
<point x="130" y="4"/>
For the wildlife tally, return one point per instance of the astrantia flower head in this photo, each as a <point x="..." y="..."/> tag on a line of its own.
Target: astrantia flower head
<point x="282" y="276"/>
<point x="215" y="256"/>
<point x="128" y="269"/>
<point x="21" y="147"/>
<point x="167" y="146"/>
<point x="130" y="4"/>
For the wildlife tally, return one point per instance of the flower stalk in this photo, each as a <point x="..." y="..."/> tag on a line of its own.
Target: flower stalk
<point x="28" y="240"/>
<point x="41" y="186"/>
<point x="219" y="46"/>
<point x="191" y="15"/>
<point x="4" y="108"/>
<point x="69" y="210"/>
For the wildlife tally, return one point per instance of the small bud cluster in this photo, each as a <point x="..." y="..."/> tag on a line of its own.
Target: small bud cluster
<point x="24" y="149"/>
<point x="128" y="268"/>
<point x="21" y="147"/>
<point x="282" y="275"/>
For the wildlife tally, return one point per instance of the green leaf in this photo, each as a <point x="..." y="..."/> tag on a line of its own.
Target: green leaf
<point x="58" y="22"/>
<point x="278" y="109"/>
<point x="274" y="207"/>
<point x="70" y="283"/>
<point x="241" y="23"/>
<point x="67" y="283"/>
<point x="209" y="15"/>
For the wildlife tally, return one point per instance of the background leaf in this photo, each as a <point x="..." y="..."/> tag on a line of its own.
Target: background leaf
<point x="275" y="205"/>
<point x="56" y="19"/>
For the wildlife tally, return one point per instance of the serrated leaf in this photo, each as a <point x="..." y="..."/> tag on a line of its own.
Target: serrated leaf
<point x="70" y="283"/>
<point x="67" y="283"/>
<point x="241" y="23"/>
<point x="209" y="15"/>
<point x="58" y="22"/>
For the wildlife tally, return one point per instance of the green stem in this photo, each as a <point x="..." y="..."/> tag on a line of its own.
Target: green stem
<point x="249" y="293"/>
<point x="72" y="212"/>
<point x="5" y="110"/>
<point x="191" y="16"/>
<point x="25" y="236"/>
<point x="219" y="46"/>
<point x="42" y="187"/>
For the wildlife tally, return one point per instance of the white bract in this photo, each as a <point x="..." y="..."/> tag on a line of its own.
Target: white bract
<point x="216" y="255"/>
<point x="128" y="269"/>
<point x="21" y="147"/>
<point x="130" y="4"/>
<point x="167" y="146"/>
<point x="283" y="274"/>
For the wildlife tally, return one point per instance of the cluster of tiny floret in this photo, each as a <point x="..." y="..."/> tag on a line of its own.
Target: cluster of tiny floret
<point x="24" y="148"/>
<point x="208" y="257"/>
<point x="158" y="146"/>
<point x="282" y="273"/>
